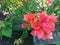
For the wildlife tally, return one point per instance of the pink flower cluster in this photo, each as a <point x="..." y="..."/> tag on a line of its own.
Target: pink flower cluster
<point x="42" y="24"/>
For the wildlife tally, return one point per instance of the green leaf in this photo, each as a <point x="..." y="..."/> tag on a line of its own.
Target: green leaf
<point x="58" y="43"/>
<point x="7" y="32"/>
<point x="24" y="34"/>
<point x="2" y="24"/>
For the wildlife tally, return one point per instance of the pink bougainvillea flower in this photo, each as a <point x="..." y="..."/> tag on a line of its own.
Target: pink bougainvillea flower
<point x="52" y="28"/>
<point x="24" y="25"/>
<point x="46" y="30"/>
<point x="34" y="32"/>
<point x="43" y="16"/>
<point x="49" y="35"/>
<point x="29" y="17"/>
<point x="35" y="19"/>
<point x="40" y="35"/>
<point x="52" y="18"/>
<point x="36" y="25"/>
<point x="42" y="24"/>
<point x="49" y="25"/>
<point x="49" y="2"/>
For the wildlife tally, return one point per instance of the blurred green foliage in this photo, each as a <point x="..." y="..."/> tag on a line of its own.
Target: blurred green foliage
<point x="58" y="43"/>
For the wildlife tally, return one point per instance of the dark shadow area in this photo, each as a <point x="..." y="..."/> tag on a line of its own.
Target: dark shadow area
<point x="16" y="34"/>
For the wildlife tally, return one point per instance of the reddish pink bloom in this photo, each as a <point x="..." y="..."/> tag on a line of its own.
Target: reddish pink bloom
<point x="34" y="33"/>
<point x="46" y="30"/>
<point x="24" y="25"/>
<point x="36" y="25"/>
<point x="35" y="19"/>
<point x="29" y="17"/>
<point x="49" y="35"/>
<point x="49" y="2"/>
<point x="40" y="35"/>
<point x="49" y="25"/>
<point x="43" y="26"/>
<point x="43" y="16"/>
<point x="52" y="18"/>
<point x="52" y="28"/>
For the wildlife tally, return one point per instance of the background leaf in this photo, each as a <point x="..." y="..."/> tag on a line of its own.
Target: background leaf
<point x="58" y="43"/>
<point x="2" y="24"/>
<point x="7" y="32"/>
